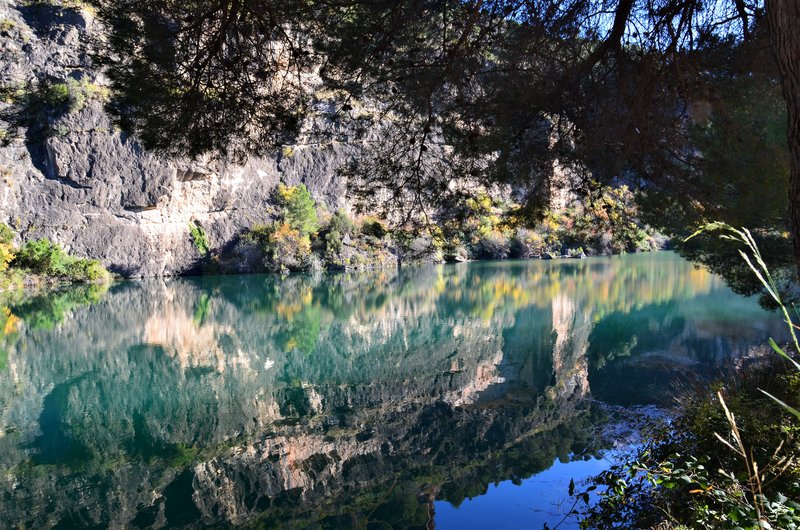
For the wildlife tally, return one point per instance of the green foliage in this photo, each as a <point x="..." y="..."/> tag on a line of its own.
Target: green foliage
<point x="372" y="227"/>
<point x="42" y="257"/>
<point x="48" y="259"/>
<point x="692" y="475"/>
<point x="81" y="91"/>
<point x="285" y="248"/>
<point x="605" y="222"/>
<point x="6" y="26"/>
<point x="200" y="239"/>
<point x="182" y="455"/>
<point x="334" y="244"/>
<point x="487" y="230"/>
<point x="336" y="229"/>
<point x="298" y="208"/>
<point x="741" y="178"/>
<point x="54" y="95"/>
<point x="36" y="108"/>
<point x="340" y="222"/>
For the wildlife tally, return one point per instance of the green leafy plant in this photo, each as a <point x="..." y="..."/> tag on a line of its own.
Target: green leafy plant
<point x="298" y="208"/>
<point x="285" y="248"/>
<point x="48" y="259"/>
<point x="200" y="239"/>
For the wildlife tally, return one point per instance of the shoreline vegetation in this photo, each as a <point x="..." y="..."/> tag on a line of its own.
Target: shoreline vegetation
<point x="730" y="457"/>
<point x="302" y="235"/>
<point x="727" y="458"/>
<point x="42" y="263"/>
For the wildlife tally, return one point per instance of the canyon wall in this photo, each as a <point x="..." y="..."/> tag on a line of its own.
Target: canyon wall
<point x="97" y="192"/>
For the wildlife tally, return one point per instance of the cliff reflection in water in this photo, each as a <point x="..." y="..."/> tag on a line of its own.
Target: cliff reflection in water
<point x="336" y="401"/>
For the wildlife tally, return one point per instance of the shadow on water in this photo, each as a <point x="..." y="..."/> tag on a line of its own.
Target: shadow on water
<point x="380" y="399"/>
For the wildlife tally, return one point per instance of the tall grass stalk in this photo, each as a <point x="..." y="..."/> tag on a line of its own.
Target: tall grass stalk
<point x="760" y="269"/>
<point x="756" y="263"/>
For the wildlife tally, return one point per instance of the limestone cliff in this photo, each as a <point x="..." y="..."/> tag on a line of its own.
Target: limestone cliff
<point x="96" y="191"/>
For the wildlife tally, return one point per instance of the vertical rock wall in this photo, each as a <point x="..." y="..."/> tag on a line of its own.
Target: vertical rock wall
<point x="94" y="190"/>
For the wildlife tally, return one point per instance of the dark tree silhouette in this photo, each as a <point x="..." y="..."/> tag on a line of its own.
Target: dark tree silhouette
<point x="450" y="93"/>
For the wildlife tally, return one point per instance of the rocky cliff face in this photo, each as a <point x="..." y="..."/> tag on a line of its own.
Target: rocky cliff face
<point x="94" y="190"/>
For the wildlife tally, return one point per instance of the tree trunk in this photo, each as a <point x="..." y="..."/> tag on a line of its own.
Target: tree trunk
<point x="784" y="27"/>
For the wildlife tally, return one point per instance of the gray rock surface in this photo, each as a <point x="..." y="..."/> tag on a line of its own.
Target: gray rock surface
<point x="98" y="193"/>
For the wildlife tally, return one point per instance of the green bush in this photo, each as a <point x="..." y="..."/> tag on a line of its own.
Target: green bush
<point x="48" y="259"/>
<point x="298" y="208"/>
<point x="374" y="228"/>
<point x="686" y="477"/>
<point x="285" y="248"/>
<point x="54" y="95"/>
<point x="340" y="222"/>
<point x="494" y="245"/>
<point x="42" y="257"/>
<point x="337" y="228"/>
<point x="259" y="235"/>
<point x="86" y="270"/>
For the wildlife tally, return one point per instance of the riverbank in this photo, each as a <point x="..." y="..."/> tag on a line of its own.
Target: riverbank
<point x="302" y="235"/>
<point x="727" y="459"/>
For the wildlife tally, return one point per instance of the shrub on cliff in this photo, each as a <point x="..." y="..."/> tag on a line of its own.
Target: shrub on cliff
<point x="6" y="246"/>
<point x="494" y="245"/>
<point x="285" y="248"/>
<point x="332" y="237"/>
<point x="372" y="227"/>
<point x="48" y="259"/>
<point x="298" y="208"/>
<point x="340" y="222"/>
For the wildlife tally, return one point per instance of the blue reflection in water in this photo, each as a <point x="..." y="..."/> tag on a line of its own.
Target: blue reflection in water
<point x="372" y="400"/>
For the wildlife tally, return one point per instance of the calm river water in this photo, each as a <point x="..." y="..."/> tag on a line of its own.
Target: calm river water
<point x="452" y="396"/>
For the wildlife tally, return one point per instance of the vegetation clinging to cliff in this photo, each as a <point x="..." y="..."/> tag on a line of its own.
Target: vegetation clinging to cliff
<point x="304" y="236"/>
<point x="44" y="259"/>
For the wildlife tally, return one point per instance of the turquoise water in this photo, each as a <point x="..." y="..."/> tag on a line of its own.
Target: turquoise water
<point x="452" y="395"/>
